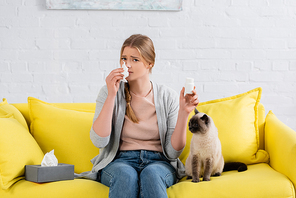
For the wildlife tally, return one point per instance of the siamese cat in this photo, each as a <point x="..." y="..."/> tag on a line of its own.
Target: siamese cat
<point x="205" y="157"/>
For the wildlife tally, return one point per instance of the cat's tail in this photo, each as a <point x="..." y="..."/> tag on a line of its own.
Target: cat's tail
<point x="239" y="166"/>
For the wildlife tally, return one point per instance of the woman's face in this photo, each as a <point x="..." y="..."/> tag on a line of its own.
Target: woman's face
<point x="137" y="67"/>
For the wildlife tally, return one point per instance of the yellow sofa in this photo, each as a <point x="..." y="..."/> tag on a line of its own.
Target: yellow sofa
<point x="29" y="130"/>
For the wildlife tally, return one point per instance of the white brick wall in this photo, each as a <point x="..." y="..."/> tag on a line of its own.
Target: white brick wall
<point x="228" y="46"/>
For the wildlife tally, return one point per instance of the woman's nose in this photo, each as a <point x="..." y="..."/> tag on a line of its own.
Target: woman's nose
<point x="128" y="64"/>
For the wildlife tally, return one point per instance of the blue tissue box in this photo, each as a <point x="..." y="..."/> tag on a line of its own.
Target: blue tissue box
<point x="41" y="174"/>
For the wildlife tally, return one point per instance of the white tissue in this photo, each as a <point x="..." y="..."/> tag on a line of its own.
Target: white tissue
<point x="49" y="159"/>
<point x="125" y="72"/>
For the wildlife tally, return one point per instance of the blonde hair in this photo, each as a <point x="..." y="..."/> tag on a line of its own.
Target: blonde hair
<point x="146" y="49"/>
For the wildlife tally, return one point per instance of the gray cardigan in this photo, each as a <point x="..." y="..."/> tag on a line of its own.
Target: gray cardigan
<point x="166" y="105"/>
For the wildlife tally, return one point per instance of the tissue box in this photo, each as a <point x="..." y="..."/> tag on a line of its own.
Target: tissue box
<point x="40" y="174"/>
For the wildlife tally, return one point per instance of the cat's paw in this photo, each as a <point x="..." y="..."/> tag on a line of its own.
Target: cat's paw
<point x="195" y="180"/>
<point x="206" y="179"/>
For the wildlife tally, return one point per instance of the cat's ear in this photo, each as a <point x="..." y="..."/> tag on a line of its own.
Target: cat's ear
<point x="205" y="118"/>
<point x="196" y="111"/>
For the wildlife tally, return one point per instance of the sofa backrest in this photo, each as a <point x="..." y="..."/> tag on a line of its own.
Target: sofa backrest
<point x="23" y="108"/>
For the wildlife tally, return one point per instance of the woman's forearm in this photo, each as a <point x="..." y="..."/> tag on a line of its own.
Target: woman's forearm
<point x="187" y="104"/>
<point x="103" y="124"/>
<point x="178" y="139"/>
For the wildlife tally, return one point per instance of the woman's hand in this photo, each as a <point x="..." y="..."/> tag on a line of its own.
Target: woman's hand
<point x="188" y="102"/>
<point x="113" y="80"/>
<point x="102" y="124"/>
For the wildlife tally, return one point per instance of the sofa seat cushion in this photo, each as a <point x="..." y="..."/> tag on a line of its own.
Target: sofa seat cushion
<point x="76" y="188"/>
<point x="260" y="180"/>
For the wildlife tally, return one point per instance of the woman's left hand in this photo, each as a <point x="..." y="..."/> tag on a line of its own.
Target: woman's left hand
<point x="188" y="102"/>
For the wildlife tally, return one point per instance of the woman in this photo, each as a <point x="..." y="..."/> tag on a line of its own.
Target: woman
<point x="140" y="127"/>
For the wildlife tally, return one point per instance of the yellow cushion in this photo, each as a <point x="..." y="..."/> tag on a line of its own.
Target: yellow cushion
<point x="89" y="107"/>
<point x="4" y="106"/>
<point x="281" y="145"/>
<point x="64" y="130"/>
<point x="76" y="188"/>
<point x="236" y="118"/>
<point x="4" y="114"/>
<point x="17" y="149"/>
<point x="260" y="180"/>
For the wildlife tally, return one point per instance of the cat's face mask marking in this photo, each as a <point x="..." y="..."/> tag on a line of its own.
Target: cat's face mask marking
<point x="199" y="123"/>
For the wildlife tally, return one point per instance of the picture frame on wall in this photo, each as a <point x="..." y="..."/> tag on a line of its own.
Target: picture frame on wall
<point x="165" y="5"/>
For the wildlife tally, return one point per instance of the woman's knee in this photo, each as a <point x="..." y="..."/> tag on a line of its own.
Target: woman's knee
<point x="122" y="180"/>
<point x="119" y="173"/>
<point x="159" y="172"/>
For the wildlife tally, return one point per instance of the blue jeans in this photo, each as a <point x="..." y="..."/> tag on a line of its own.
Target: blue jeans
<point x="141" y="174"/>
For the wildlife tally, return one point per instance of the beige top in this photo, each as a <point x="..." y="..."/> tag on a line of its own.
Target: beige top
<point x="145" y="134"/>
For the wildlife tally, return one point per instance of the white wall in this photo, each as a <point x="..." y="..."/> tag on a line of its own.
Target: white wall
<point x="228" y="46"/>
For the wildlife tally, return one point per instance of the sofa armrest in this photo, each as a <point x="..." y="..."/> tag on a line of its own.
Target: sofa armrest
<point x="280" y="143"/>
